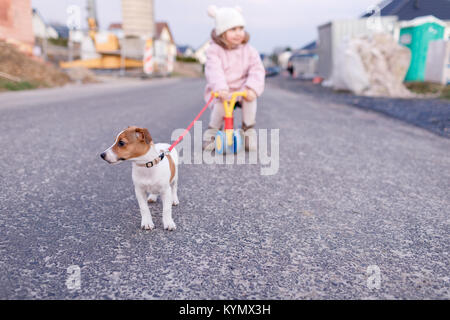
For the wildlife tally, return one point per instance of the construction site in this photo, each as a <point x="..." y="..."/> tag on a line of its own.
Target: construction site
<point x="35" y="53"/>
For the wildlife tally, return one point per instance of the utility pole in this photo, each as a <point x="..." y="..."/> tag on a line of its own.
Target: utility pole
<point x="73" y="23"/>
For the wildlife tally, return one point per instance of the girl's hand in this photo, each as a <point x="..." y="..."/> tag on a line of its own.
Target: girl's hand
<point x="251" y="95"/>
<point x="223" y="95"/>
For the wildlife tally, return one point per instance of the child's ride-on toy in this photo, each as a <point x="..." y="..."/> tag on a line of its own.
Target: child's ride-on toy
<point x="231" y="140"/>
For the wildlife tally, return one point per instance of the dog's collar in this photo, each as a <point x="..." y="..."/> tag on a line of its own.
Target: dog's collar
<point x="154" y="162"/>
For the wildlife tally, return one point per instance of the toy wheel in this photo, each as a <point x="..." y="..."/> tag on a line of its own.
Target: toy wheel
<point x="237" y="141"/>
<point x="220" y="142"/>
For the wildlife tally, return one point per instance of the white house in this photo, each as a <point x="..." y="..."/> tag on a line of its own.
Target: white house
<point x="185" y="51"/>
<point x="41" y="29"/>
<point x="165" y="50"/>
<point x="200" y="53"/>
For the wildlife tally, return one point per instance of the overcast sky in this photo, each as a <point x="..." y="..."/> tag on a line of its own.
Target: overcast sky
<point x="271" y="23"/>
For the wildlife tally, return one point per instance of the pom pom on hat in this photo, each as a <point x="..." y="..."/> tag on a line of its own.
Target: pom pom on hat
<point x="226" y="18"/>
<point x="239" y="9"/>
<point x="212" y="10"/>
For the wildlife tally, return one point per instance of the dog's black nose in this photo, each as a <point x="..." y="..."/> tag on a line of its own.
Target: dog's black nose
<point x="103" y="155"/>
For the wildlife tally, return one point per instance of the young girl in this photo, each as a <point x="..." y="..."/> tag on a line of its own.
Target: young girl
<point x="232" y="65"/>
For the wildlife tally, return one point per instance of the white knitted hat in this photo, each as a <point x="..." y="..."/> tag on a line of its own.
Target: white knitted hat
<point x="226" y="18"/>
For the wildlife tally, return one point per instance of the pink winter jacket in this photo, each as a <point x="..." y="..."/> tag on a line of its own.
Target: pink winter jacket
<point x="233" y="69"/>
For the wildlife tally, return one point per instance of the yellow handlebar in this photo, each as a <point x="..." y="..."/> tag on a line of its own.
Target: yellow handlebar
<point x="234" y="95"/>
<point x="228" y="105"/>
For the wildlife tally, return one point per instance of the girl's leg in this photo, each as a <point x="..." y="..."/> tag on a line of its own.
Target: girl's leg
<point x="248" y="122"/>
<point x="217" y="115"/>
<point x="215" y="123"/>
<point x="249" y="113"/>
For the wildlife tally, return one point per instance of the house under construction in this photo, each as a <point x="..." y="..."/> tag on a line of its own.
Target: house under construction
<point x="104" y="50"/>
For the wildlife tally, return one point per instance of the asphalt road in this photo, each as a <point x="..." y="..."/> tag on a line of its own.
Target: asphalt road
<point x="358" y="209"/>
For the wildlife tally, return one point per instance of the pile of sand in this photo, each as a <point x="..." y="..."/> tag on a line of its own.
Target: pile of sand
<point x="19" y="65"/>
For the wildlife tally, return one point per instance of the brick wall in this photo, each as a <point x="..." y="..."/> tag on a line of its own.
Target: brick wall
<point x="15" y="21"/>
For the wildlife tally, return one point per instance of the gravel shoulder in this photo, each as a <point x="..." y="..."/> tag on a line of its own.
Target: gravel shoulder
<point x="432" y="114"/>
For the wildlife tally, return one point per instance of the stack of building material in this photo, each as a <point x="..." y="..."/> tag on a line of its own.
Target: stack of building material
<point x="332" y="34"/>
<point x="372" y="66"/>
<point x="138" y="27"/>
<point x="138" y="18"/>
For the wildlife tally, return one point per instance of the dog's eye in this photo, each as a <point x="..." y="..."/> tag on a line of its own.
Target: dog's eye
<point x="121" y="143"/>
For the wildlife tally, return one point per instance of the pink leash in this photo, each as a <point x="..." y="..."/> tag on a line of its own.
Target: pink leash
<point x="192" y="123"/>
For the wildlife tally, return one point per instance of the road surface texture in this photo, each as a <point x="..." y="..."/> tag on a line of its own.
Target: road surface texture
<point x="359" y="208"/>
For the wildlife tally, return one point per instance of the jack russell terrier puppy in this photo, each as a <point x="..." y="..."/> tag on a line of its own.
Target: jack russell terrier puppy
<point x="154" y="171"/>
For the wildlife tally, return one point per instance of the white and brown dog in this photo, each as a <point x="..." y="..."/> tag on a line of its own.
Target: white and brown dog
<point x="154" y="172"/>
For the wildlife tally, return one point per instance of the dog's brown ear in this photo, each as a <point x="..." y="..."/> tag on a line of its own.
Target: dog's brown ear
<point x="143" y="135"/>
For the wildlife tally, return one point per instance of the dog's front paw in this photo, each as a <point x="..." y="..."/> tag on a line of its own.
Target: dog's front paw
<point x="169" y="224"/>
<point x="175" y="202"/>
<point x="147" y="223"/>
